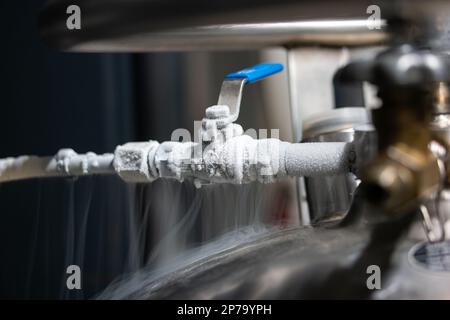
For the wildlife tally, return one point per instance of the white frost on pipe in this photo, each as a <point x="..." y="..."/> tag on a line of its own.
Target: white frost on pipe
<point x="241" y="159"/>
<point x="66" y="163"/>
<point x="318" y="158"/>
<point x="238" y="160"/>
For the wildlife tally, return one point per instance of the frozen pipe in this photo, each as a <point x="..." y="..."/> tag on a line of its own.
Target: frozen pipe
<point x="238" y="160"/>
<point x="241" y="159"/>
<point x="66" y="163"/>
<point x="319" y="158"/>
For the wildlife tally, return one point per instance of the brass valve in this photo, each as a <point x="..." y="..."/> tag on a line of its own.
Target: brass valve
<point x="405" y="171"/>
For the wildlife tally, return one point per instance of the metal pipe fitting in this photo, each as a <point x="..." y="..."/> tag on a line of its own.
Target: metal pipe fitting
<point x="239" y="160"/>
<point x="66" y="163"/>
<point x="404" y="172"/>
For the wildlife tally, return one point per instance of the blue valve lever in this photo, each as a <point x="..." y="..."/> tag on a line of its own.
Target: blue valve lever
<point x="233" y="85"/>
<point x="257" y="72"/>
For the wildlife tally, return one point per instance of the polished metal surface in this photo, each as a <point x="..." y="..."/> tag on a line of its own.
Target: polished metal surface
<point x="333" y="194"/>
<point x="245" y="36"/>
<point x="330" y="195"/>
<point x="172" y="25"/>
<point x="231" y="96"/>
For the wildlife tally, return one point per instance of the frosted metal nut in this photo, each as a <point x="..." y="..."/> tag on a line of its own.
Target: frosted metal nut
<point x="131" y="161"/>
<point x="217" y="112"/>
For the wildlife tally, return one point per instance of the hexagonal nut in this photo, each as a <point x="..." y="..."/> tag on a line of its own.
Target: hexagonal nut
<point x="131" y="161"/>
<point x="217" y="112"/>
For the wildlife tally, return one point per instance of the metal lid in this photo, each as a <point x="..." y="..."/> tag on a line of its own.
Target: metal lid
<point x="335" y="120"/>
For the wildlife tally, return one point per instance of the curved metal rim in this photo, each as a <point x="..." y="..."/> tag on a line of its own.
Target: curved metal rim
<point x="246" y="36"/>
<point x="168" y="25"/>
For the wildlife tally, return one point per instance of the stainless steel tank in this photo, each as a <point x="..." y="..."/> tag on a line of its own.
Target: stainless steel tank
<point x="330" y="195"/>
<point x="330" y="260"/>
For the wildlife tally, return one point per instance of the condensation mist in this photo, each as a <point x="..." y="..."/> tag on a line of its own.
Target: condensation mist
<point x="177" y="224"/>
<point x="124" y="237"/>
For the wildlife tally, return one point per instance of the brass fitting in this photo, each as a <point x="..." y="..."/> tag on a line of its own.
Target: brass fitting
<point x="405" y="171"/>
<point x="440" y="127"/>
<point x="412" y="84"/>
<point x="400" y="177"/>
